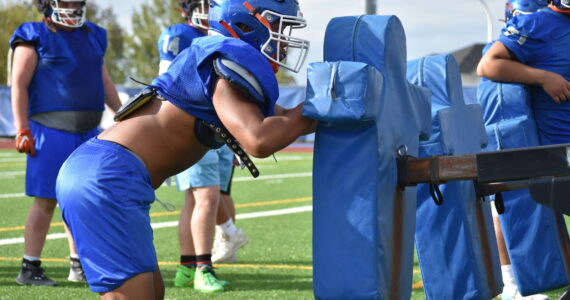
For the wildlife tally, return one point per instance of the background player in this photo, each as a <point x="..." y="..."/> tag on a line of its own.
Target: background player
<point x="203" y="181"/>
<point x="528" y="52"/>
<point x="60" y="86"/>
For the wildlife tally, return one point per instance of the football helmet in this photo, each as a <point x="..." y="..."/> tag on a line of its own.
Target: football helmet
<point x="562" y="6"/>
<point x="68" y="17"/>
<point x="523" y="7"/>
<point x="196" y="12"/>
<point x="266" y="25"/>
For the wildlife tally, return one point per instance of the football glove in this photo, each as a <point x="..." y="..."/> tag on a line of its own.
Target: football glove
<point x="25" y="142"/>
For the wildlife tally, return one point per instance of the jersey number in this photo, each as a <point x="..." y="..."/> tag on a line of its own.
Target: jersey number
<point x="171" y="45"/>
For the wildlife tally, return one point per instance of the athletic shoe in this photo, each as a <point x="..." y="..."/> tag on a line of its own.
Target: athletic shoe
<point x="565" y="295"/>
<point x="184" y="276"/>
<point x="206" y="280"/>
<point x="32" y="275"/>
<point x="227" y="245"/>
<point x="76" y="273"/>
<point x="511" y="292"/>
<point x="531" y="297"/>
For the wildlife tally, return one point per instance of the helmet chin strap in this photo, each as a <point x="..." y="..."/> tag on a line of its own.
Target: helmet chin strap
<point x="556" y="9"/>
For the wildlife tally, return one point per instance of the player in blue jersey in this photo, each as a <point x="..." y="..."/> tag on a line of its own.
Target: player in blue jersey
<point x="60" y="87"/>
<point x="203" y="182"/>
<point x="527" y="53"/>
<point x="222" y="86"/>
<point x="531" y="50"/>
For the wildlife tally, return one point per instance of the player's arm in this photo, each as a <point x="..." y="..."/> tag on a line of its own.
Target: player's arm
<point x="498" y="65"/>
<point x="24" y="66"/>
<point x="260" y="136"/>
<point x="111" y="96"/>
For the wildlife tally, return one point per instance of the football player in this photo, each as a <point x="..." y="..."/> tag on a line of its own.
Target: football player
<point x="222" y="86"/>
<point x="60" y="86"/>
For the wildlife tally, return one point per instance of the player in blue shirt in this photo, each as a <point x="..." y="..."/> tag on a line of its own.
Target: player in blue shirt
<point x="531" y="50"/>
<point x="222" y="86"/>
<point x="60" y="87"/>
<point x="203" y="182"/>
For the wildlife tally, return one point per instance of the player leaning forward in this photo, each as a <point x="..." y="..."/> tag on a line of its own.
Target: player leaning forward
<point x="226" y="79"/>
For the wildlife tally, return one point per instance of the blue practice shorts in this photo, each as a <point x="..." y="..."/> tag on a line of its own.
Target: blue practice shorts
<point x="105" y="193"/>
<point x="53" y="146"/>
<point x="215" y="168"/>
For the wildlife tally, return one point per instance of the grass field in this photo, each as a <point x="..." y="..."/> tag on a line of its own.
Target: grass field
<point x="276" y="264"/>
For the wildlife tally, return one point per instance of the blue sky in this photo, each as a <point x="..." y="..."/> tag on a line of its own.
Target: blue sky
<point x="432" y="26"/>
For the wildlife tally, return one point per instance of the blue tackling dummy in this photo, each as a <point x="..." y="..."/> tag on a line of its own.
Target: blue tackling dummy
<point x="455" y="241"/>
<point x="363" y="224"/>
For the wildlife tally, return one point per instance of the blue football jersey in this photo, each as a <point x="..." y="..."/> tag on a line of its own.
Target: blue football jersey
<point x="190" y="79"/>
<point x="541" y="40"/>
<point x="69" y="72"/>
<point x="176" y="38"/>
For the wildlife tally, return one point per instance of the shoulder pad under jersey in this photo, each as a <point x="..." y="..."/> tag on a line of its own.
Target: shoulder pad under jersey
<point x="239" y="77"/>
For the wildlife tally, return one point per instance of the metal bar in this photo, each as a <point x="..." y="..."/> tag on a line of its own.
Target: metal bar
<point x="520" y="164"/>
<point x="487" y="167"/>
<point x="499" y="187"/>
<point x="439" y="169"/>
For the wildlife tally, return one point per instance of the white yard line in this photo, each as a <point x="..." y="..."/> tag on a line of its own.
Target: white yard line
<point x="12" y="173"/>
<point x="260" y="214"/>
<point x="8" y="196"/>
<point x="236" y="179"/>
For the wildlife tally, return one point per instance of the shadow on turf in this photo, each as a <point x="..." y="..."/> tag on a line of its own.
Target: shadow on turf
<point x="58" y="274"/>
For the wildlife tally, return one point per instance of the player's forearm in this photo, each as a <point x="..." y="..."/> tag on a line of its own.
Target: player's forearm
<point x="504" y="70"/>
<point x="20" y="106"/>
<point x="111" y="95"/>
<point x="275" y="133"/>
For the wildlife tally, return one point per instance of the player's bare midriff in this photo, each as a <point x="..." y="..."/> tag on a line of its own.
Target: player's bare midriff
<point x="162" y="135"/>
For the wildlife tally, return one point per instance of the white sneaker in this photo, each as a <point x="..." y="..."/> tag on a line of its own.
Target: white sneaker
<point x="511" y="292"/>
<point x="76" y="271"/>
<point x="225" y="246"/>
<point x="531" y="297"/>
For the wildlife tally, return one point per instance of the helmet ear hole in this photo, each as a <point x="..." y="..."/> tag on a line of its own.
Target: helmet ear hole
<point x="244" y="28"/>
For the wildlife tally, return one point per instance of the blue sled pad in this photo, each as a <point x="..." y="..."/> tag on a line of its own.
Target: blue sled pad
<point x="363" y="224"/>
<point x="455" y="241"/>
<point x="535" y="235"/>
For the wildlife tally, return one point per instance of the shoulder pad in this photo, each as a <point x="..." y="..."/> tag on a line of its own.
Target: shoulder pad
<point x="239" y="77"/>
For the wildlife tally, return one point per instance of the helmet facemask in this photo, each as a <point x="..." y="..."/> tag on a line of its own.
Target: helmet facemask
<point x="200" y="15"/>
<point x="68" y="17"/>
<point x="282" y="48"/>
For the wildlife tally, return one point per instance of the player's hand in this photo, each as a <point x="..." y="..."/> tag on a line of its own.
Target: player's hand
<point x="556" y="87"/>
<point x="25" y="142"/>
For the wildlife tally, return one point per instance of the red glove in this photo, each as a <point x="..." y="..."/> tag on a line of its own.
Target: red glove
<point x="25" y="142"/>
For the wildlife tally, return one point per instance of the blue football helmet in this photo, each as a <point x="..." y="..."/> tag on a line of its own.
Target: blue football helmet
<point x="522" y="7"/>
<point x="68" y="17"/>
<point x="196" y="12"/>
<point x="562" y="6"/>
<point x="266" y="25"/>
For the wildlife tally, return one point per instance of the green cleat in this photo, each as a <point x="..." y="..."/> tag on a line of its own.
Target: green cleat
<point x="207" y="282"/>
<point x="184" y="276"/>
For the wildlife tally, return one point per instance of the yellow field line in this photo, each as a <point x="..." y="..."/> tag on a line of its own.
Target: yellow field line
<point x="12" y="165"/>
<point x="171" y="213"/>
